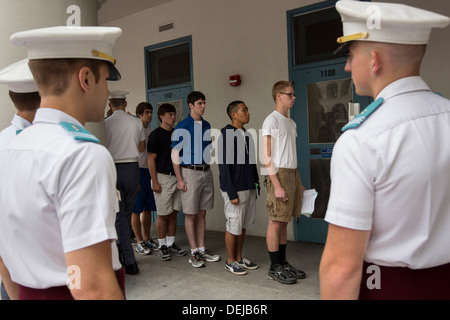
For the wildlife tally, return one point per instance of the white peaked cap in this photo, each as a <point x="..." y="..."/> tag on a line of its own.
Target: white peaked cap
<point x="387" y="22"/>
<point x="118" y="95"/>
<point x="18" y="77"/>
<point x="71" y="42"/>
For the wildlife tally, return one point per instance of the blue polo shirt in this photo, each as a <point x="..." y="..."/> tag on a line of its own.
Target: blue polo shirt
<point x="193" y="140"/>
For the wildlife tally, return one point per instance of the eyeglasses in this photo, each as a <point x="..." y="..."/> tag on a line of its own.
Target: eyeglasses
<point x="291" y="95"/>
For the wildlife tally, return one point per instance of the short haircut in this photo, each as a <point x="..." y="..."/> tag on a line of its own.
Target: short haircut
<point x="52" y="76"/>
<point x="195" y="96"/>
<point x="25" y="101"/>
<point x="118" y="103"/>
<point x="280" y="86"/>
<point x="233" y="107"/>
<point x="165" y="108"/>
<point x="141" y="107"/>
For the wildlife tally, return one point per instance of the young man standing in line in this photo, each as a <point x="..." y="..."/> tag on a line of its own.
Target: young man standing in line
<point x="25" y="97"/>
<point x="125" y="140"/>
<point x="284" y="188"/>
<point x="191" y="154"/>
<point x="164" y="182"/>
<point x="145" y="200"/>
<point x="239" y="183"/>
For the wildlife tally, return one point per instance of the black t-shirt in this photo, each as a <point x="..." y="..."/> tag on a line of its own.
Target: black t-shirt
<point x="159" y="142"/>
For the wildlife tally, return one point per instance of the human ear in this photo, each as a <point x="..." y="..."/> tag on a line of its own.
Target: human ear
<point x="85" y="78"/>
<point x="377" y="61"/>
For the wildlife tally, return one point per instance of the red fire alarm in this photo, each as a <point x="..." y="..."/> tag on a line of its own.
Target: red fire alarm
<point x="235" y="81"/>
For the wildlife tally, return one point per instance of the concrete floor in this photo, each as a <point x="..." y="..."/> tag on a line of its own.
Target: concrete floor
<point x="178" y="280"/>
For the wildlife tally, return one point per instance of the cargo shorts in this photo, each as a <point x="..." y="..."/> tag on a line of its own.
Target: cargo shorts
<point x="284" y="211"/>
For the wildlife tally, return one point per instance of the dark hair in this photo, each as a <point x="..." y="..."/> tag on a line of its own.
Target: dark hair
<point x="195" y="96"/>
<point x="141" y="107"/>
<point x="233" y="107"/>
<point x="165" y="108"/>
<point x="25" y="101"/>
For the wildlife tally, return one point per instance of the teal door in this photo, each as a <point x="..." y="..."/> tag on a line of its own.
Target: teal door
<point x="178" y="97"/>
<point x="320" y="111"/>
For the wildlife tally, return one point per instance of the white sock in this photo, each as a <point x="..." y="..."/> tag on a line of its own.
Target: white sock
<point x="201" y="249"/>
<point x="162" y="242"/>
<point x="170" y="241"/>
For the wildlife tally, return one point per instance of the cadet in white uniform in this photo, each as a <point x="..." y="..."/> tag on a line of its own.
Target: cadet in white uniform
<point x="25" y="96"/>
<point x="389" y="205"/>
<point x="61" y="198"/>
<point x="125" y="139"/>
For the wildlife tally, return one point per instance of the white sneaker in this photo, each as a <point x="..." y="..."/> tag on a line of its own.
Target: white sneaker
<point x="196" y="261"/>
<point x="209" y="256"/>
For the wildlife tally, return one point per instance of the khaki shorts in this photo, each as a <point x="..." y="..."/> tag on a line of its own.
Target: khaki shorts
<point x="170" y="197"/>
<point x="200" y="191"/>
<point x="280" y="210"/>
<point x="241" y="216"/>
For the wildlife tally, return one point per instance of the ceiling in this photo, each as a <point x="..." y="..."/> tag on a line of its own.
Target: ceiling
<point x="115" y="9"/>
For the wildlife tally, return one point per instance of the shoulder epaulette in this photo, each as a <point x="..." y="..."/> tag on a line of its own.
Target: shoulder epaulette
<point x="366" y="113"/>
<point x="78" y="132"/>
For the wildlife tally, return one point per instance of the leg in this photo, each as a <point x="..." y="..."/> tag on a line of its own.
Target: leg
<point x="146" y="224"/>
<point x="230" y="244"/>
<point x="136" y="225"/>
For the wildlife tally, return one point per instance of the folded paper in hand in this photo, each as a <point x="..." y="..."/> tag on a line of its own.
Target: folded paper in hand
<point x="309" y="199"/>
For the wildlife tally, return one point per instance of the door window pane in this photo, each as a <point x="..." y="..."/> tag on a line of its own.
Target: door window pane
<point x="169" y="66"/>
<point x="328" y="109"/>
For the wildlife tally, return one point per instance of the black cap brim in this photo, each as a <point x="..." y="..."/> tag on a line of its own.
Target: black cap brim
<point x="114" y="74"/>
<point x="342" y="49"/>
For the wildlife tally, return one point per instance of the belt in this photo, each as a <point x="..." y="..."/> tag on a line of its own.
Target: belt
<point x="167" y="173"/>
<point x="197" y="167"/>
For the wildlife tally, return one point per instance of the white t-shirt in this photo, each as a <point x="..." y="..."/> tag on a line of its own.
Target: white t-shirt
<point x="58" y="196"/>
<point x="143" y="162"/>
<point x="392" y="176"/>
<point x="284" y="134"/>
<point x="123" y="134"/>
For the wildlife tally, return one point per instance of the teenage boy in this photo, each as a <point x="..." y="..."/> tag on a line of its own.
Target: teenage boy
<point x="145" y="200"/>
<point x="68" y="206"/>
<point x="239" y="183"/>
<point x="191" y="154"/>
<point x="284" y="188"/>
<point x="164" y="183"/>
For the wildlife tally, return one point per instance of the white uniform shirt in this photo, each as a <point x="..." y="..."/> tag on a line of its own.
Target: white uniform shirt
<point x="60" y="197"/>
<point x="284" y="134"/>
<point x="123" y="134"/>
<point x="392" y="176"/>
<point x="17" y="124"/>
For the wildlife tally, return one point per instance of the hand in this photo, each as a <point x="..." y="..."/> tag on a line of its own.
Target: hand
<point x="280" y="194"/>
<point x="156" y="187"/>
<point x="235" y="201"/>
<point x="181" y="185"/>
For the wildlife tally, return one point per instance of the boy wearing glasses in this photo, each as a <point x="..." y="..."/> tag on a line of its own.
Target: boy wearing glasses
<point x="284" y="188"/>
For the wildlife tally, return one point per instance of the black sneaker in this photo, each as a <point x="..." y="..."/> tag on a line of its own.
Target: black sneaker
<point x="295" y="273"/>
<point x="164" y="254"/>
<point x="247" y="264"/>
<point x="235" y="268"/>
<point x="177" y="250"/>
<point x="278" y="273"/>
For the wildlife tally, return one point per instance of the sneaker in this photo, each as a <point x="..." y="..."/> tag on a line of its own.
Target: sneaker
<point x="164" y="254"/>
<point x="247" y="264"/>
<point x="209" y="256"/>
<point x="152" y="244"/>
<point x="295" y="273"/>
<point x="177" y="250"/>
<point x="278" y="273"/>
<point x="142" y="249"/>
<point x="235" y="268"/>
<point x="196" y="261"/>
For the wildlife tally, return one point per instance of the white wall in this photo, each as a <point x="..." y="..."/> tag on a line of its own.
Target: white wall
<point x="248" y="38"/>
<point x="24" y="15"/>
